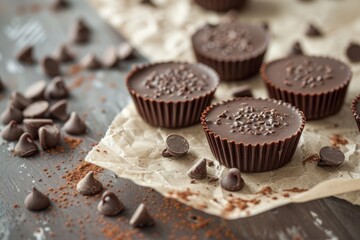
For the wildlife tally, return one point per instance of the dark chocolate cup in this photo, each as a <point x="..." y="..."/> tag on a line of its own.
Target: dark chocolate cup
<point x="232" y="69"/>
<point x="313" y="105"/>
<point x="355" y="113"/>
<point x="170" y="114"/>
<point x="221" y="5"/>
<point x="253" y="157"/>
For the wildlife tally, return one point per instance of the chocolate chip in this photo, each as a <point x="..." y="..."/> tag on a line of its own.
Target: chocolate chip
<point x="11" y="113"/>
<point x="80" y="32"/>
<point x="63" y="54"/>
<point x="36" y="110"/>
<point x="265" y="25"/>
<point x="90" y="61"/>
<point x="242" y="91"/>
<point x="125" y="51"/>
<point x="36" y="90"/>
<point x="313" y="31"/>
<point x="56" y="89"/>
<point x="12" y="131"/>
<point x="32" y="125"/>
<point x="89" y="185"/>
<point x="148" y="2"/>
<point x="49" y="136"/>
<point x="110" y="59"/>
<point x="330" y="157"/>
<point x="109" y="204"/>
<point x="36" y="201"/>
<point x="177" y="145"/>
<point x="25" y="147"/>
<point x="59" y="110"/>
<point x="296" y="49"/>
<point x="232" y="181"/>
<point x="198" y="171"/>
<point x="353" y="52"/>
<point x="165" y="153"/>
<point x="50" y="67"/>
<point x="75" y="125"/>
<point x="19" y="100"/>
<point x="58" y="5"/>
<point x="141" y="217"/>
<point x="25" y="55"/>
<point x="2" y="86"/>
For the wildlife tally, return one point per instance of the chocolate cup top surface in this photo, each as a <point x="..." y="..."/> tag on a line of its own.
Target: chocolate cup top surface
<point x="306" y="75"/>
<point x="204" y="81"/>
<point x="231" y="41"/>
<point x="291" y="121"/>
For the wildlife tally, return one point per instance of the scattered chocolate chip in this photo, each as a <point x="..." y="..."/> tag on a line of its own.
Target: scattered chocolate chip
<point x="58" y="5"/>
<point x="141" y="217"/>
<point x="19" y="100"/>
<point x="56" y="89"/>
<point x="110" y="59"/>
<point x="330" y="157"/>
<point x="125" y="51"/>
<point x="296" y="49"/>
<point x="313" y="31"/>
<point x="75" y="125"/>
<point x="25" y="55"/>
<point x="353" y="52"/>
<point x="198" y="171"/>
<point x="165" y="153"/>
<point x="50" y="67"/>
<point x="36" y="90"/>
<point x="49" y="136"/>
<point x="59" y="110"/>
<point x="12" y="131"/>
<point x="90" y="61"/>
<point x="11" y="113"/>
<point x="232" y="181"/>
<point x="32" y="125"/>
<point x="63" y="54"/>
<point x="109" y="204"/>
<point x="265" y="25"/>
<point x="80" y="32"/>
<point x="177" y="145"/>
<point x="89" y="185"/>
<point x="25" y="147"/>
<point x="242" y="91"/>
<point x="36" y="110"/>
<point x="36" y="201"/>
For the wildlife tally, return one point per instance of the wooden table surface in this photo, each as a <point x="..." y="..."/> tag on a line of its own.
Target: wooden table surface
<point x="99" y="96"/>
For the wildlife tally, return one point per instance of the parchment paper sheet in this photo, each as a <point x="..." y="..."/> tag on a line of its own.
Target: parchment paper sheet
<point x="132" y="149"/>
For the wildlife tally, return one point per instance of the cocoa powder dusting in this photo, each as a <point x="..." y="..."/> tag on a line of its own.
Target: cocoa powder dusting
<point x="73" y="142"/>
<point x="295" y="190"/>
<point x="337" y="140"/>
<point x="312" y="158"/>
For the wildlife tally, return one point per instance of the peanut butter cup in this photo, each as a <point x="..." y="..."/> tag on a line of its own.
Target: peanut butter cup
<point x="253" y="135"/>
<point x="221" y="5"/>
<point x="172" y="94"/>
<point x="355" y="108"/>
<point x="235" y="50"/>
<point x="316" y="85"/>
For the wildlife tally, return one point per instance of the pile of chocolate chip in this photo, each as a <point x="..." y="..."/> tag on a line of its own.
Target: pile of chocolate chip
<point x="109" y="204"/>
<point x="31" y="115"/>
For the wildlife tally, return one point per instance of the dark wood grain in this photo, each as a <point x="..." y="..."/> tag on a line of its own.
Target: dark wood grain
<point x="99" y="98"/>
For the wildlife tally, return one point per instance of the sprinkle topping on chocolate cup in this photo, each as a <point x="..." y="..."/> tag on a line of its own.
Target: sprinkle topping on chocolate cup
<point x="254" y="121"/>
<point x="173" y="81"/>
<point x="231" y="40"/>
<point x="307" y="74"/>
